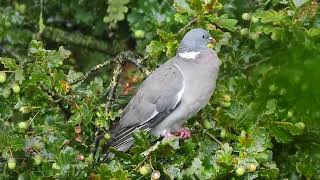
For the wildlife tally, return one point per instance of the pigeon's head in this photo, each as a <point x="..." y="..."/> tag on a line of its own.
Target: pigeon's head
<point x="195" y="40"/>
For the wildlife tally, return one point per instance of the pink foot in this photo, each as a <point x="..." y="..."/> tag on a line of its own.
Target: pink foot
<point x="184" y="133"/>
<point x="168" y="135"/>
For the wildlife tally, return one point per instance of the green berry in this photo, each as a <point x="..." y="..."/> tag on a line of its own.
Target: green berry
<point x="254" y="36"/>
<point x="226" y="98"/>
<point x="226" y="104"/>
<point x="55" y="166"/>
<point x="6" y="93"/>
<point x="254" y="19"/>
<point x="272" y="88"/>
<point x="145" y="169"/>
<point x="289" y="114"/>
<point x="223" y="133"/>
<point x="217" y="7"/>
<point x="207" y="124"/>
<point x="139" y="33"/>
<point x="240" y="171"/>
<point x="25" y="109"/>
<point x="12" y="163"/>
<point x="243" y="134"/>
<point x="16" y="88"/>
<point x="3" y="77"/>
<point x="244" y="31"/>
<point x="20" y="7"/>
<point x="262" y="157"/>
<point x="22" y="125"/>
<point x="37" y="159"/>
<point x="207" y="1"/>
<point x="300" y="125"/>
<point x="246" y="16"/>
<point x="36" y="146"/>
<point x="274" y="36"/>
<point x="107" y="136"/>
<point x="252" y="168"/>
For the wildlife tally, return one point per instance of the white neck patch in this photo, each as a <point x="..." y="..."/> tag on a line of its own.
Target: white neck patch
<point x="189" y="55"/>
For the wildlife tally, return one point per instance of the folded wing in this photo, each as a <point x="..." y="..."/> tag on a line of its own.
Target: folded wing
<point x="156" y="98"/>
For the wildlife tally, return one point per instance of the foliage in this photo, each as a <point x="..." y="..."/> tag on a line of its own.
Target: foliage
<point x="116" y="11"/>
<point x="262" y="122"/>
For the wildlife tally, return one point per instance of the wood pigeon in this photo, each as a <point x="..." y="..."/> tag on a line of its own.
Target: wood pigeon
<point x="173" y="93"/>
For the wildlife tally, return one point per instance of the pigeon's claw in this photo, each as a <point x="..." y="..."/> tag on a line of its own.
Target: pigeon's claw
<point x="184" y="133"/>
<point x="168" y="134"/>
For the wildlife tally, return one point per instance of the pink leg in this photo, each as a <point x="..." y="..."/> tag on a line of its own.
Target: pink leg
<point x="168" y="134"/>
<point x="184" y="133"/>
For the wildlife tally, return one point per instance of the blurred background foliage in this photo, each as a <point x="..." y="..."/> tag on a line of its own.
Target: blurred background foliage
<point x="262" y="123"/>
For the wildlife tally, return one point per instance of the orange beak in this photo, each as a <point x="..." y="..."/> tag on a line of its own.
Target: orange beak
<point x="212" y="40"/>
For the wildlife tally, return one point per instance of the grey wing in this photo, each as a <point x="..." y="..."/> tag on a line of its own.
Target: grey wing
<point x="157" y="97"/>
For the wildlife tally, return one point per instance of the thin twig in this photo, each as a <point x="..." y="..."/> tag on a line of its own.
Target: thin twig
<point x="120" y="60"/>
<point x="214" y="138"/>
<point x="54" y="98"/>
<point x="128" y="56"/>
<point x="138" y="63"/>
<point x="11" y="52"/>
<point x="113" y="85"/>
<point x="112" y="90"/>
<point x="86" y="75"/>
<point x="61" y="36"/>
<point x="137" y="167"/>
<point x="31" y="120"/>
<point x="187" y="25"/>
<point x="254" y="64"/>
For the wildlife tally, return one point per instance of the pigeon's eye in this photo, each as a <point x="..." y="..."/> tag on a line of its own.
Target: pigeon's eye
<point x="203" y="36"/>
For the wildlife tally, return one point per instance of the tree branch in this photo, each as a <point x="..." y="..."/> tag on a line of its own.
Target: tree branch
<point x="193" y="20"/>
<point x="120" y="60"/>
<point x="214" y="138"/>
<point x="54" y="98"/>
<point x="75" y="38"/>
<point x="86" y="75"/>
<point x="254" y="64"/>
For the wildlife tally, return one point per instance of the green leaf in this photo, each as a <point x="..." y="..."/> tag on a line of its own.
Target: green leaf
<point x="280" y="134"/>
<point x="182" y="6"/>
<point x="269" y="173"/>
<point x="271" y="106"/>
<point x="155" y="48"/>
<point x="314" y="32"/>
<point x="299" y="3"/>
<point x="173" y="172"/>
<point x="225" y="154"/>
<point x="36" y="48"/>
<point x="294" y="130"/>
<point x="64" y="53"/>
<point x="270" y="16"/>
<point x="261" y="141"/>
<point x="171" y="48"/>
<point x="73" y="75"/>
<point x="112" y="170"/>
<point x="19" y="75"/>
<point x="9" y="63"/>
<point x="195" y="168"/>
<point x="140" y="139"/>
<point x="173" y="142"/>
<point x="224" y="22"/>
<point x="116" y="11"/>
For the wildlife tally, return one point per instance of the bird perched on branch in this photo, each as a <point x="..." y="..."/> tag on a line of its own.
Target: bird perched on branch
<point x="173" y="93"/>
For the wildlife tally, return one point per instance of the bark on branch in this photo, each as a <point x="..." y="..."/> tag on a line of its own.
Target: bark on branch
<point x="119" y="60"/>
<point x="76" y="38"/>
